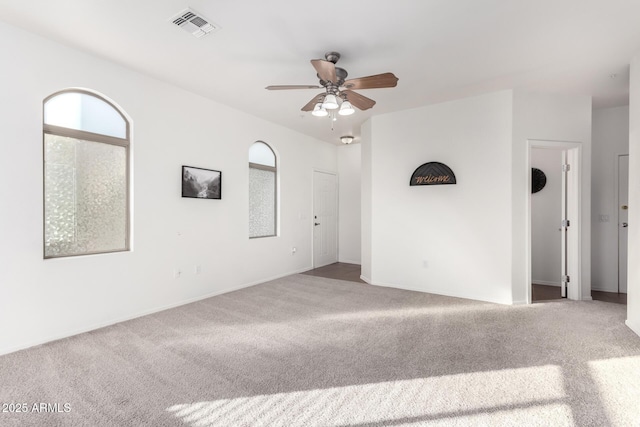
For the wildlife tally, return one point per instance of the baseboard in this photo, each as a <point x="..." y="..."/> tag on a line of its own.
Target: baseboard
<point x="523" y="302"/>
<point x="446" y="294"/>
<point x="100" y="325"/>
<point x="268" y="279"/>
<point x="634" y="327"/>
<point x="545" y="282"/>
<point x="595" y="288"/>
<point x="587" y="298"/>
<point x="366" y="279"/>
<point x="349" y="261"/>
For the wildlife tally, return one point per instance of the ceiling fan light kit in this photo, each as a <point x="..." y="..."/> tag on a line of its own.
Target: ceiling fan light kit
<point x="319" y="110"/>
<point x="346" y="109"/>
<point x="330" y="102"/>
<point x="339" y="91"/>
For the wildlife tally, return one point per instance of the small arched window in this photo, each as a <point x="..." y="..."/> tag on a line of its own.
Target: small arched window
<point x="263" y="195"/>
<point x="86" y="175"/>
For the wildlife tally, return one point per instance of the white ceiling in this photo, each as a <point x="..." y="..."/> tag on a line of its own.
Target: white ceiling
<point x="439" y="49"/>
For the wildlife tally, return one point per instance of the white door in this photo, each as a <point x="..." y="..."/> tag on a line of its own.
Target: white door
<point x="571" y="286"/>
<point x="325" y="219"/>
<point x="565" y="225"/>
<point x="623" y="217"/>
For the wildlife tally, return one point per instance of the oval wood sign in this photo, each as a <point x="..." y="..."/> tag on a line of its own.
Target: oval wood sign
<point x="433" y="173"/>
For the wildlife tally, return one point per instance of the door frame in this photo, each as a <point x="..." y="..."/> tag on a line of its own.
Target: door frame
<point x="313" y="201"/>
<point x="574" y="201"/>
<point x="617" y="198"/>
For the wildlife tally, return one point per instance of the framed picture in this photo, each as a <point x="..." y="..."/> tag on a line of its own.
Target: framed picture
<point x="201" y="183"/>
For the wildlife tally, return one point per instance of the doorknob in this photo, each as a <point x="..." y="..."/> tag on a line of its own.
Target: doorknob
<point x="625" y="225"/>
<point x="316" y="223"/>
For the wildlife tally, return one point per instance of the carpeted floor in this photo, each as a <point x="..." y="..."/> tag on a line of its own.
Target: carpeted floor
<point x="311" y="351"/>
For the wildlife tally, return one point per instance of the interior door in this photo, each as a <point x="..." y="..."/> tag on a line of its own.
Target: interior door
<point x="325" y="219"/>
<point x="623" y="217"/>
<point x="564" y="225"/>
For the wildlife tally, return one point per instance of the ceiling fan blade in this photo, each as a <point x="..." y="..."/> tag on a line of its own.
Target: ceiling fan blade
<point x="286" y="87"/>
<point x="326" y="70"/>
<point x="313" y="102"/>
<point x="359" y="101"/>
<point x="372" y="82"/>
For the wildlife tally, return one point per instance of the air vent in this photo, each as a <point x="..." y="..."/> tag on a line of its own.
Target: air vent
<point x="193" y="23"/>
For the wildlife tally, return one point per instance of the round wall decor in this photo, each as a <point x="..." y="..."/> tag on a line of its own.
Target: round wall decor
<point x="538" y="180"/>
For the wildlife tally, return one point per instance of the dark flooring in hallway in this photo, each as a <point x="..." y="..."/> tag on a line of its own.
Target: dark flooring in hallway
<point x="546" y="293"/>
<point x="338" y="270"/>
<point x="351" y="273"/>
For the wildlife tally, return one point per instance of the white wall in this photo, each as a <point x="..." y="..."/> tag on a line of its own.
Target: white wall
<point x="633" y="285"/>
<point x="548" y="117"/>
<point x="366" y="201"/>
<point x="462" y="231"/>
<point x="473" y="236"/>
<point x="546" y="214"/>
<point x="46" y="299"/>
<point x="349" y="174"/>
<point x="610" y="139"/>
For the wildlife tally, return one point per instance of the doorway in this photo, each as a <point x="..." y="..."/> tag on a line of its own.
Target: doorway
<point x="623" y="218"/>
<point x="554" y="223"/>
<point x="325" y="218"/>
<point x="548" y="192"/>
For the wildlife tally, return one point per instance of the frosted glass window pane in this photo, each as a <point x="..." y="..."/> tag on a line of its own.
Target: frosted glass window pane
<point x="261" y="154"/>
<point x="85" y="204"/>
<point x="262" y="203"/>
<point x="85" y="112"/>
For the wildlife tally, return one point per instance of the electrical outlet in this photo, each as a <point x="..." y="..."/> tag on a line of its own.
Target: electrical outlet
<point x="177" y="273"/>
<point x="197" y="269"/>
<point x="294" y="250"/>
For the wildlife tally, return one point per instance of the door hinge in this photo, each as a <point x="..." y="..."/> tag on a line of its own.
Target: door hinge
<point x="565" y="223"/>
<point x="566" y="168"/>
<point x="566" y="279"/>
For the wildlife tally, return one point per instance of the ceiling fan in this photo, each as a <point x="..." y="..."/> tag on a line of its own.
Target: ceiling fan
<point x="338" y="91"/>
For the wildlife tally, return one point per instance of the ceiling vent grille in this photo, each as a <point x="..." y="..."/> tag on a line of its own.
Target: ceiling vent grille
<point x="193" y="23"/>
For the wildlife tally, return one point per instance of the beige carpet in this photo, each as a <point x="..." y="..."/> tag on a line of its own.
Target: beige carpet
<point x="309" y="351"/>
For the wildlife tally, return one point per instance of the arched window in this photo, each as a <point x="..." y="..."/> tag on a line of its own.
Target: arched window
<point x="262" y="191"/>
<point x="86" y="175"/>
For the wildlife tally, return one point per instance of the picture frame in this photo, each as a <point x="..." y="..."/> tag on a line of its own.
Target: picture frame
<point x="200" y="183"/>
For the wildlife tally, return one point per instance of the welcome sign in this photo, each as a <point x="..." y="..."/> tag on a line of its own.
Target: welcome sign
<point x="433" y="173"/>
